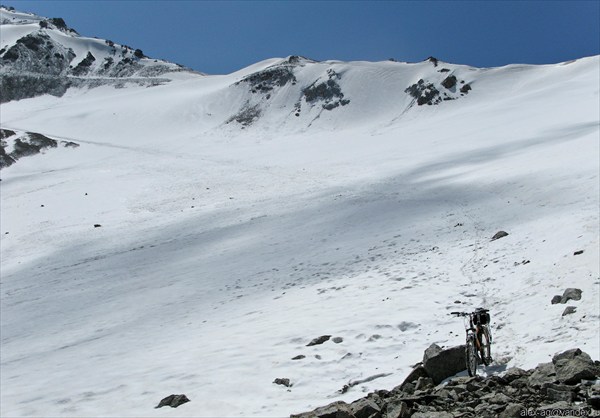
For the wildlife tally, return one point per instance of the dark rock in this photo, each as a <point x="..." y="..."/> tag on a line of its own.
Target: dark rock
<point x="572" y="354"/>
<point x="269" y="78"/>
<point x="337" y="340"/>
<point x="6" y="133"/>
<point x="554" y="392"/>
<point x="299" y="357"/>
<point x="594" y="402"/>
<point x="397" y="409"/>
<point x="84" y="65"/>
<point x="319" y="340"/>
<point x="512" y="410"/>
<point x="97" y="225"/>
<point x="433" y="60"/>
<point x="283" y="381"/>
<point x="443" y="363"/>
<point x="569" y="310"/>
<point x="499" y="234"/>
<point x="572" y="366"/>
<point x="424" y="93"/>
<point x="364" y="408"/>
<point x="173" y="401"/>
<point x="424" y="383"/>
<point x="571" y="294"/>
<point x="556" y="299"/>
<point x="247" y="116"/>
<point x="513" y="374"/>
<point x="543" y="373"/>
<point x="329" y="92"/>
<point x="465" y="88"/>
<point x="338" y="409"/>
<point x="412" y="377"/>
<point x="578" y="252"/>
<point x="449" y="82"/>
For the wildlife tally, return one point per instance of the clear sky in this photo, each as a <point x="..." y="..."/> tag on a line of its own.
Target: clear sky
<point x="219" y="37"/>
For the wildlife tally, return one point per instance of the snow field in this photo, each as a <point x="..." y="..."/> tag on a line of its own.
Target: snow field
<point x="371" y="231"/>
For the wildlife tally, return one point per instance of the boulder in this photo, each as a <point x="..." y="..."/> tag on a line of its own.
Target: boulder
<point x="571" y="294"/>
<point x="173" y="401"/>
<point x="443" y="363"/>
<point x="319" y="340"/>
<point x="574" y="365"/>
<point x="283" y="382"/>
<point x="412" y="377"/>
<point x="364" y="408"/>
<point x="338" y="409"/>
<point x="543" y="373"/>
<point x="397" y="409"/>
<point x="513" y="374"/>
<point x="569" y="310"/>
<point x="499" y="234"/>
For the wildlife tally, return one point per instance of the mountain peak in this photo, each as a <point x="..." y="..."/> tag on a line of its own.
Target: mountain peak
<point x="40" y="55"/>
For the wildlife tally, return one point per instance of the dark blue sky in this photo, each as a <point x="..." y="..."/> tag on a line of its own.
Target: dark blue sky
<point x="219" y="37"/>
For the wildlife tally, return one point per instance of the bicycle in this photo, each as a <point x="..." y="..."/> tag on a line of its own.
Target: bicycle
<point x="479" y="339"/>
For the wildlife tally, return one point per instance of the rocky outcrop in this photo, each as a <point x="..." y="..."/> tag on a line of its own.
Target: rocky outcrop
<point x="26" y="144"/>
<point x="38" y="63"/>
<point x="568" y="383"/>
<point x="328" y="93"/>
<point x="433" y="92"/>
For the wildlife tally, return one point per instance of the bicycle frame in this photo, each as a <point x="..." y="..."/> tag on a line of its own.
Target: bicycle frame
<point x="476" y="351"/>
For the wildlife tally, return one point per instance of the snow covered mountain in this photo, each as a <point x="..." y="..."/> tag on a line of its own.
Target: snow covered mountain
<point x="207" y="228"/>
<point x="44" y="56"/>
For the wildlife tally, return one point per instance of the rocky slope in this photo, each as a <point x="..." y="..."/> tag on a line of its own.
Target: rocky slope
<point x="41" y="55"/>
<point x="567" y="386"/>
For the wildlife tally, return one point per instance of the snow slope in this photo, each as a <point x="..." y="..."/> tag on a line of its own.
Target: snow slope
<point x="224" y="249"/>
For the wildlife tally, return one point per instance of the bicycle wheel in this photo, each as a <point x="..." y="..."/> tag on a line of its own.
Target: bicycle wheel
<point x="471" y="354"/>
<point x="486" y="346"/>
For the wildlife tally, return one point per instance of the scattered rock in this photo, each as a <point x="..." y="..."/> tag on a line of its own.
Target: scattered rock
<point x="283" y="381"/>
<point x="571" y="294"/>
<point x="499" y="234"/>
<point x="578" y="252"/>
<point x="173" y="401"/>
<point x="97" y="225"/>
<point x="299" y="357"/>
<point x="337" y="340"/>
<point x="319" y="340"/>
<point x="569" y="310"/>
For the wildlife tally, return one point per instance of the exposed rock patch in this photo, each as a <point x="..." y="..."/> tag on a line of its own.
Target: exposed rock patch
<point x="328" y="93"/>
<point x="25" y="144"/>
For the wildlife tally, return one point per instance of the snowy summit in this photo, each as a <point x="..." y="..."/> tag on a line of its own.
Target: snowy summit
<point x="168" y="232"/>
